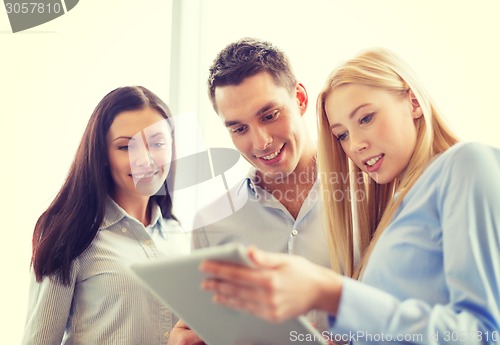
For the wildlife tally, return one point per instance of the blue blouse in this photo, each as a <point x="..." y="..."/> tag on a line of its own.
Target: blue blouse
<point x="434" y="275"/>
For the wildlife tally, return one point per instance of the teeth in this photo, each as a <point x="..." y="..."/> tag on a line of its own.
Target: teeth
<point x="144" y="175"/>
<point x="272" y="155"/>
<point x="373" y="160"/>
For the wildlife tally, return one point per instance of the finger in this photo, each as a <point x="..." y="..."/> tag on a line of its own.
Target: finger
<point x="234" y="295"/>
<point x="230" y="289"/>
<point x="251" y="306"/>
<point x="232" y="273"/>
<point x="181" y="324"/>
<point x="254" y="301"/>
<point x="263" y="259"/>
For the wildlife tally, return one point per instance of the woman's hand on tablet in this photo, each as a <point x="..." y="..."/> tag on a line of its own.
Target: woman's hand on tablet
<point x="280" y="287"/>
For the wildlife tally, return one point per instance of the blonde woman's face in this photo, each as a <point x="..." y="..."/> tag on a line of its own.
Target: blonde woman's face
<point x="376" y="128"/>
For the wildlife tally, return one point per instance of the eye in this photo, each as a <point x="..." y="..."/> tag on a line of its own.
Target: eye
<point x="271" y="116"/>
<point x="342" y="136"/>
<point x="366" y="119"/>
<point x="123" y="148"/>
<point x="238" y="130"/>
<point x="158" y="145"/>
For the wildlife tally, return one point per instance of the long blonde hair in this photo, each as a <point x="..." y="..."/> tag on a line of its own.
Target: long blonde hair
<point x="371" y="213"/>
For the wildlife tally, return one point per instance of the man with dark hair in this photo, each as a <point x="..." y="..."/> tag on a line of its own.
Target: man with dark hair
<point x="254" y="90"/>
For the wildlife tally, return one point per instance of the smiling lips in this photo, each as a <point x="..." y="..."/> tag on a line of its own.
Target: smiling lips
<point x="144" y="175"/>
<point x="373" y="160"/>
<point x="374" y="163"/>
<point x="271" y="155"/>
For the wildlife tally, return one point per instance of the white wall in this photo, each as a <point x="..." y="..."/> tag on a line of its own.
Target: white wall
<point x="51" y="78"/>
<point x="451" y="45"/>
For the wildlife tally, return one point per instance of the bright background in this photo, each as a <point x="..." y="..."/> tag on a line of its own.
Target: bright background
<point x="52" y="77"/>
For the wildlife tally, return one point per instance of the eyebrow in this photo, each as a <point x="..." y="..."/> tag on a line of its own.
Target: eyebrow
<point x="351" y="115"/>
<point x="261" y="111"/>
<point x="122" y="137"/>
<point x="156" y="135"/>
<point x="133" y="138"/>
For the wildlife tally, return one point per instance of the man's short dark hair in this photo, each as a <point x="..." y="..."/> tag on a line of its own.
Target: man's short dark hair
<point x="245" y="58"/>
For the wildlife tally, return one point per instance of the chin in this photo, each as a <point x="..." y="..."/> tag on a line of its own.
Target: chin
<point x="381" y="179"/>
<point x="150" y="189"/>
<point x="276" y="171"/>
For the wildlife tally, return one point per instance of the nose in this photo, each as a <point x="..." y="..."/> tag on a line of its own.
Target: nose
<point x="143" y="157"/>
<point x="261" y="139"/>
<point x="357" y="142"/>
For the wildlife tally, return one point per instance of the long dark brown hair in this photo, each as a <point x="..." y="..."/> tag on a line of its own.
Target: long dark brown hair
<point x="72" y="220"/>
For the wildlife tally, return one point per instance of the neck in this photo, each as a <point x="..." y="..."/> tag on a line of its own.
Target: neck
<point x="299" y="177"/>
<point x="136" y="207"/>
<point x="303" y="174"/>
<point x="291" y="189"/>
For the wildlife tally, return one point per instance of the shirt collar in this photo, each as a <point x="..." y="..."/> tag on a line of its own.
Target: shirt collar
<point x="114" y="213"/>
<point x="155" y="213"/>
<point x="249" y="181"/>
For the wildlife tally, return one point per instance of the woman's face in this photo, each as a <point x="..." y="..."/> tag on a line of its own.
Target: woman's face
<point x="375" y="128"/>
<point x="139" y="144"/>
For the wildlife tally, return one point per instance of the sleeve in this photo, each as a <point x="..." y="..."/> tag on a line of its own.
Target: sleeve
<point x="49" y="305"/>
<point x="199" y="239"/>
<point x="469" y="208"/>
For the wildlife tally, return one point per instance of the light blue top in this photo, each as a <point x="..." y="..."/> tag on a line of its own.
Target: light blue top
<point x="104" y="302"/>
<point x="434" y="274"/>
<point x="258" y="218"/>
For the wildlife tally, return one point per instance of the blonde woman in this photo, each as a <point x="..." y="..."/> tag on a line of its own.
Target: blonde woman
<point x="426" y="208"/>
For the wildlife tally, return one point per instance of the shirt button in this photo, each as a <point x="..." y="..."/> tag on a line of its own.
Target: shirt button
<point x="124" y="230"/>
<point x="252" y="186"/>
<point x="294" y="232"/>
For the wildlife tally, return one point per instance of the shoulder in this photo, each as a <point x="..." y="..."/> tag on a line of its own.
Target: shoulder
<point x="224" y="205"/>
<point x="468" y="156"/>
<point x="469" y="166"/>
<point x="471" y="150"/>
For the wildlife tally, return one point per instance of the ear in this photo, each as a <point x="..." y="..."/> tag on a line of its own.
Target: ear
<point x="302" y="98"/>
<point x="416" y="109"/>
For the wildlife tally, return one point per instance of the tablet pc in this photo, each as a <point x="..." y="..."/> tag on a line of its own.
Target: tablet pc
<point x="177" y="282"/>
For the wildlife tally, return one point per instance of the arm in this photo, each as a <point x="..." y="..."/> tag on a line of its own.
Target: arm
<point x="471" y="243"/>
<point x="467" y="203"/>
<point x="49" y="306"/>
